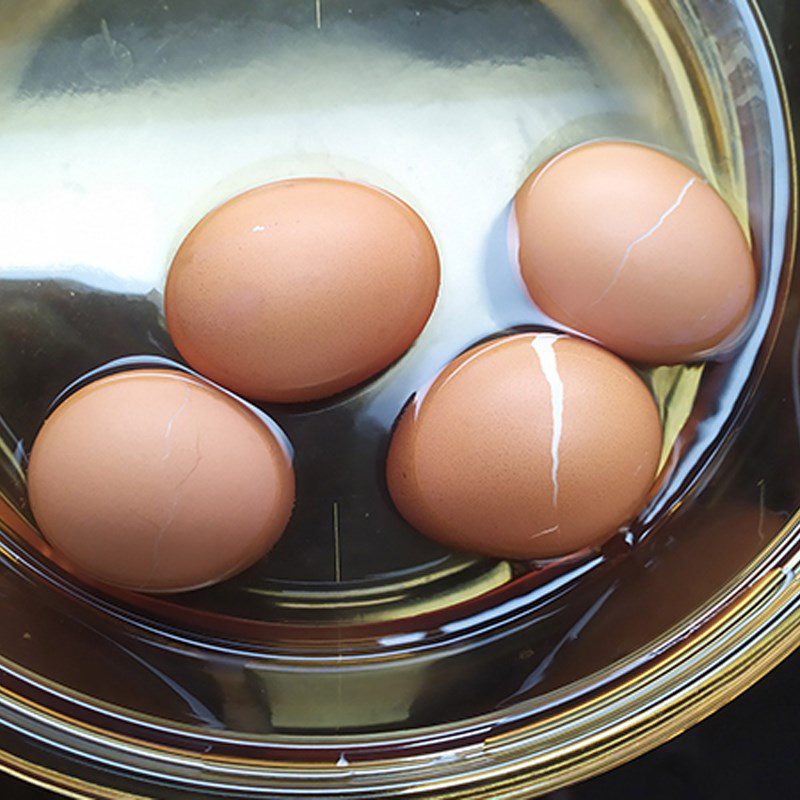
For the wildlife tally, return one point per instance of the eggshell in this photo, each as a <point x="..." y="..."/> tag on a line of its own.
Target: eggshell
<point x="154" y="480"/>
<point x="302" y="288"/>
<point x="528" y="446"/>
<point x="633" y="248"/>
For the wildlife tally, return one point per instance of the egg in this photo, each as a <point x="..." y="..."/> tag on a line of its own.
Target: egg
<point x="300" y="289"/>
<point x="632" y="248"/>
<point x="530" y="446"/>
<point x="156" y="481"/>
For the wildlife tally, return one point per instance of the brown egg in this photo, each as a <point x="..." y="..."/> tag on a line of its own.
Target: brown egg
<point x="632" y="248"/>
<point x="155" y="481"/>
<point x="302" y="288"/>
<point x="529" y="446"/>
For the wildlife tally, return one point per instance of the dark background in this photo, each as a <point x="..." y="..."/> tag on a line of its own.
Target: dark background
<point x="751" y="748"/>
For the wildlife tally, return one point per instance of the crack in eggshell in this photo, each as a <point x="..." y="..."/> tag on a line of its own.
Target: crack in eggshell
<point x="169" y="434"/>
<point x="645" y="236"/>
<point x="546" y="532"/>
<point x="544" y="346"/>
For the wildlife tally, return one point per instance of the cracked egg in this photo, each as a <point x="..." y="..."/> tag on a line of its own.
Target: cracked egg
<point x="156" y="481"/>
<point x="534" y="445"/>
<point x="631" y="247"/>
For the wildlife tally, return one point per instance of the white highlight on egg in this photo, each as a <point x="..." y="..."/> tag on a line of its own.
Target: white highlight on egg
<point x="420" y="395"/>
<point x="636" y="242"/>
<point x="544" y="347"/>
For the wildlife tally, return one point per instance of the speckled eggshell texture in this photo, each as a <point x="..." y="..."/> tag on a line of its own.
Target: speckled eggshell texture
<point x="528" y="446"/>
<point x="300" y="289"/>
<point x="156" y="481"/>
<point x="632" y="248"/>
